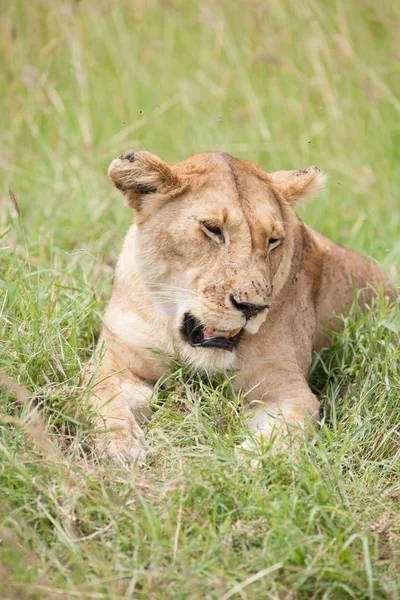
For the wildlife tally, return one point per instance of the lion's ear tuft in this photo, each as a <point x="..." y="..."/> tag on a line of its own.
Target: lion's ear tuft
<point x="137" y="174"/>
<point x="297" y="185"/>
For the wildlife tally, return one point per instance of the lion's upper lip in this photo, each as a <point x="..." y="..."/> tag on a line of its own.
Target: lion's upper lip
<point x="200" y="336"/>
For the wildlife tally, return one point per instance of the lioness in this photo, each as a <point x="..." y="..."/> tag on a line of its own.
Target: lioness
<point x="219" y="270"/>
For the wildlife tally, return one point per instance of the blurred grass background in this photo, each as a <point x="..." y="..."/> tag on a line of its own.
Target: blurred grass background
<point x="282" y="83"/>
<point x="285" y="84"/>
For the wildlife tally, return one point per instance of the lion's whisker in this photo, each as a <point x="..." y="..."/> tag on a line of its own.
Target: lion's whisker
<point x="172" y="287"/>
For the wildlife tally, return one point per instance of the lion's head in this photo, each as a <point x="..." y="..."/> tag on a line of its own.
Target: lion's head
<point x="214" y="240"/>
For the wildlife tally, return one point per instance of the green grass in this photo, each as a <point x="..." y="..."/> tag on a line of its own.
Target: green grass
<point x="282" y="83"/>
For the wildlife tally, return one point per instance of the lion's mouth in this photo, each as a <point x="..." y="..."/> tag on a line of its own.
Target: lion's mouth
<point x="206" y="337"/>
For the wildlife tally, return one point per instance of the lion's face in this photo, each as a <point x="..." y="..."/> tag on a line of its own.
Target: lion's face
<point x="213" y="245"/>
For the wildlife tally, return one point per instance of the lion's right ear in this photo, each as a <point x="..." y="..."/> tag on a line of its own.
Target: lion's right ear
<point x="138" y="174"/>
<point x="298" y="185"/>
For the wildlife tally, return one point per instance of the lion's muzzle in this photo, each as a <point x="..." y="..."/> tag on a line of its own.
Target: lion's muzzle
<point x="198" y="336"/>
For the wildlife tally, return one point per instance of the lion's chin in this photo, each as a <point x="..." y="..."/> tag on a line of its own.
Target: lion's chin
<point x="206" y="359"/>
<point x="203" y="349"/>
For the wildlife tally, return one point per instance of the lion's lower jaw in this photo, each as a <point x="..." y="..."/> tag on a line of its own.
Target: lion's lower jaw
<point x="206" y="359"/>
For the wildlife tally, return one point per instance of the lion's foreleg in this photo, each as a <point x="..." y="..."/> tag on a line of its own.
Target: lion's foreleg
<point x="281" y="404"/>
<point x="120" y="403"/>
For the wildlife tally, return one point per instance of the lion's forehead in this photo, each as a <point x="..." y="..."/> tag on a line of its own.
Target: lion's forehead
<point x="232" y="192"/>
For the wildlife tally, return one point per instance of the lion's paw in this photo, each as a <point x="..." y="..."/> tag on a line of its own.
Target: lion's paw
<point x="127" y="454"/>
<point x="125" y="443"/>
<point x="248" y="451"/>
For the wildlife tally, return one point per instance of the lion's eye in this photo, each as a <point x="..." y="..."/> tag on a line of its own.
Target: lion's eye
<point x="214" y="230"/>
<point x="274" y="242"/>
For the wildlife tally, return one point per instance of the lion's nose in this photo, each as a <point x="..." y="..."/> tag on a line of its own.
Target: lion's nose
<point x="247" y="308"/>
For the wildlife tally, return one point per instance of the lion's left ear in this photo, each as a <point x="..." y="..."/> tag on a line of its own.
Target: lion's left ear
<point x="297" y="185"/>
<point x="139" y="174"/>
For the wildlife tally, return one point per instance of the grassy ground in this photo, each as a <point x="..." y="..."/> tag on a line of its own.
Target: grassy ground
<point x="283" y="83"/>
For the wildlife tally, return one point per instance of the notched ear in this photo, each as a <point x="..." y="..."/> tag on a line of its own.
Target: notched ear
<point x="297" y="185"/>
<point x="137" y="174"/>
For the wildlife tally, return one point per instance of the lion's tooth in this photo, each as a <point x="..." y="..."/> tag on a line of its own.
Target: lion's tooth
<point x="212" y="332"/>
<point x="234" y="332"/>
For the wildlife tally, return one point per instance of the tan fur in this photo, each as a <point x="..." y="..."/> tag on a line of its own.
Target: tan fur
<point x="171" y="264"/>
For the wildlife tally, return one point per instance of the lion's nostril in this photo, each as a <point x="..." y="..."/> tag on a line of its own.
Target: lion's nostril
<point x="247" y="308"/>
